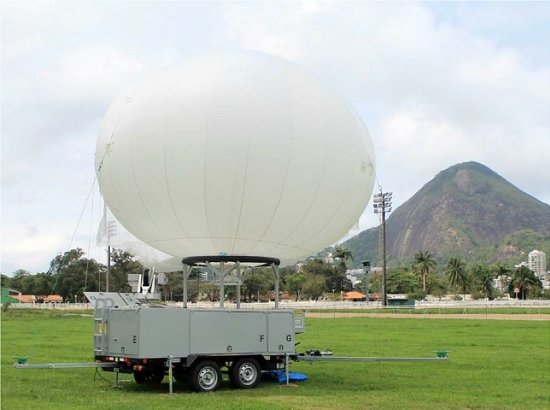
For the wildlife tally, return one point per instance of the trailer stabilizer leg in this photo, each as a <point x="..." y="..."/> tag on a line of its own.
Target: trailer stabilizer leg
<point x="116" y="370"/>
<point x="170" y="373"/>
<point x="287" y="369"/>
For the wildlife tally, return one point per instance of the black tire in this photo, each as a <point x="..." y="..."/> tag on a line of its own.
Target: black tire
<point x="149" y="377"/>
<point x="245" y="373"/>
<point x="206" y="376"/>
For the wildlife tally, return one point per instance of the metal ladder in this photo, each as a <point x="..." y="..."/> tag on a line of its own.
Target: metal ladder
<point x="100" y="325"/>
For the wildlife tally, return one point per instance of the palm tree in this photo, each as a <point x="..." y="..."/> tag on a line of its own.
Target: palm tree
<point x="484" y="279"/>
<point x="424" y="264"/>
<point x="456" y="271"/>
<point x="502" y="270"/>
<point x="523" y="278"/>
<point x="344" y="254"/>
<point x="502" y="273"/>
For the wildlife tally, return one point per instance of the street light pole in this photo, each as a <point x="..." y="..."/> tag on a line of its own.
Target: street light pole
<point x="382" y="205"/>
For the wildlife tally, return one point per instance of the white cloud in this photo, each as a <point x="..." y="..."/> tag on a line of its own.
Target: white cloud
<point x="437" y="84"/>
<point x="442" y="94"/>
<point x="31" y="246"/>
<point x="96" y="70"/>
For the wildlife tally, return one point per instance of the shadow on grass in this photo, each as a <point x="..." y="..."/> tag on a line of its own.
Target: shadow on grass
<point x="178" y="387"/>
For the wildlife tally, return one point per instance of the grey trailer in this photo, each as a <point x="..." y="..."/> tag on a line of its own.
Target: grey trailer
<point x="149" y="339"/>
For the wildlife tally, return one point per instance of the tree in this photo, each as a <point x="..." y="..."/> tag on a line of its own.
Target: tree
<point x="502" y="270"/>
<point x="438" y="286"/>
<point x="257" y="281"/>
<point x="5" y="281"/>
<point x="401" y="280"/>
<point x="194" y="287"/>
<point x="319" y="276"/>
<point x="424" y="264"/>
<point x="212" y="291"/>
<point x="123" y="263"/>
<point x="73" y="274"/>
<point x="483" y="280"/>
<point x="16" y="282"/>
<point x="456" y="272"/>
<point x="26" y="285"/>
<point x="314" y="286"/>
<point x="294" y="283"/>
<point x="343" y="254"/>
<point x="524" y="279"/>
<point x="173" y="288"/>
<point x="42" y="284"/>
<point x="502" y="273"/>
<point x="335" y="279"/>
<point x="375" y="282"/>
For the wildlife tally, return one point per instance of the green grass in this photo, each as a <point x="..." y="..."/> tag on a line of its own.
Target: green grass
<point x="494" y="365"/>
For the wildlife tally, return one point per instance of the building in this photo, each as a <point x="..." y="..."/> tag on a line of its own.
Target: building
<point x="355" y="296"/>
<point x="14" y="296"/>
<point x="26" y="298"/>
<point x="355" y="276"/>
<point x="537" y="262"/>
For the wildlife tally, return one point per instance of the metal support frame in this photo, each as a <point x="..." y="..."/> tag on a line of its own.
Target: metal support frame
<point x="222" y="273"/>
<point x="170" y="373"/>
<point x="240" y="275"/>
<point x="116" y="370"/>
<point x="186" y="272"/>
<point x="275" y="268"/>
<point x="287" y="368"/>
<point x="217" y="264"/>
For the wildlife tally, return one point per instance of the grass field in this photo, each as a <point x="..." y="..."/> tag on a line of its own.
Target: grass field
<point x="494" y="365"/>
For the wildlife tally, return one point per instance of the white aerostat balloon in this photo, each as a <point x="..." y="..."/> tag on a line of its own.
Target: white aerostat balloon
<point x="237" y="153"/>
<point x="112" y="233"/>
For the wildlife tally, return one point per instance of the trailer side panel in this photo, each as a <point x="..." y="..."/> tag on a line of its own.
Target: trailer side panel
<point x="164" y="333"/>
<point x="228" y="332"/>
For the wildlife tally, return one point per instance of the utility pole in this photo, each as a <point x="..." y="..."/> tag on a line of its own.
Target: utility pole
<point x="382" y="205"/>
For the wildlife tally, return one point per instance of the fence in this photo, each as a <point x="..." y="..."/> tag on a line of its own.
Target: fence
<point x="327" y="305"/>
<point x="63" y="306"/>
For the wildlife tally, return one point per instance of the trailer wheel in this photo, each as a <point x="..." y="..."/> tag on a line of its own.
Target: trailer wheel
<point x="206" y="376"/>
<point x="245" y="373"/>
<point x="149" y="377"/>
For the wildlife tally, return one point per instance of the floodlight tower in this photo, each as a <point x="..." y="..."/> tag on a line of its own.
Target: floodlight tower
<point x="382" y="205"/>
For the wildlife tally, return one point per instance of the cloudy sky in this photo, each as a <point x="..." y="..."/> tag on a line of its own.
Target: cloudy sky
<point x="436" y="84"/>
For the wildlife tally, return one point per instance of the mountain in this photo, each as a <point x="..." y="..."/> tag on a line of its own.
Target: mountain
<point x="467" y="211"/>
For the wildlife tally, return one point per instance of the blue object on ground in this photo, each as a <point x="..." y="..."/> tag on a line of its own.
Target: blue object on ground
<point x="280" y="376"/>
